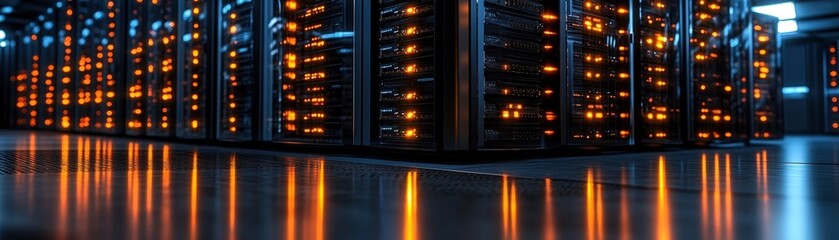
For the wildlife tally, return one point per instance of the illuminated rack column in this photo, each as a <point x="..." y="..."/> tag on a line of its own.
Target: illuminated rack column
<point x="407" y="104"/>
<point x="519" y="107"/>
<point x="657" y="70"/>
<point x="712" y="94"/>
<point x="237" y="71"/>
<point x="34" y="98"/>
<point x="317" y="82"/>
<point x="66" y="86"/>
<point x="599" y="103"/>
<point x="192" y="115"/>
<point x="832" y="88"/>
<point x="47" y="116"/>
<point x="767" y="121"/>
<point x="83" y="97"/>
<point x="135" y="116"/>
<point x="160" y="67"/>
<point x="104" y="56"/>
<point x="25" y="98"/>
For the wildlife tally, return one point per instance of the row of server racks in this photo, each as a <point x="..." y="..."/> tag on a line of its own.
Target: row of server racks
<point x="433" y="75"/>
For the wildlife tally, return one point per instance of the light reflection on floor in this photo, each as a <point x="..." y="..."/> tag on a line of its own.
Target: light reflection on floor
<point x="57" y="186"/>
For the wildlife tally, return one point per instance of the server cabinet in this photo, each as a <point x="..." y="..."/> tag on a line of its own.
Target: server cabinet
<point x="598" y="106"/>
<point x="238" y="80"/>
<point x="83" y="67"/>
<point x="658" y="71"/>
<point x="312" y="54"/>
<point x="767" y="120"/>
<point x="27" y="80"/>
<point x="160" y="55"/>
<point x="47" y="94"/>
<point x="713" y="96"/>
<point x="136" y="70"/>
<point x="409" y="66"/>
<point x="193" y="89"/>
<point x="66" y="87"/>
<point x="831" y="88"/>
<point x="518" y="59"/>
<point x="98" y="66"/>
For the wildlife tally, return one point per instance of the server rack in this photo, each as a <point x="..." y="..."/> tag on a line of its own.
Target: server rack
<point x="413" y="65"/>
<point x="84" y="50"/>
<point x="27" y="79"/>
<point x="161" y="77"/>
<point x="136" y="68"/>
<point x="313" y="52"/>
<point x="658" y="69"/>
<point x="193" y="89"/>
<point x="598" y="72"/>
<point x="767" y="113"/>
<point x="238" y="74"/>
<point x="46" y="118"/>
<point x="714" y="97"/>
<point x="831" y="88"/>
<point x="66" y="87"/>
<point x="518" y="62"/>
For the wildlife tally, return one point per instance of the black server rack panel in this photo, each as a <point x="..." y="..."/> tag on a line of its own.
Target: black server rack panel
<point x="599" y="80"/>
<point x="740" y="41"/>
<point x="66" y="85"/>
<point x="831" y="89"/>
<point x="315" y="103"/>
<point x="27" y="80"/>
<point x="99" y="86"/>
<point x="46" y="87"/>
<point x="238" y="79"/>
<point x="658" y="69"/>
<point x="83" y="67"/>
<point x="195" y="74"/>
<point x="136" y="68"/>
<point x="767" y="117"/>
<point x="160" y="55"/>
<point x="518" y="94"/>
<point x="713" y="96"/>
<point x="406" y="111"/>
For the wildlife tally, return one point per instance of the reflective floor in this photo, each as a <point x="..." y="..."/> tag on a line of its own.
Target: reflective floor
<point x="55" y="186"/>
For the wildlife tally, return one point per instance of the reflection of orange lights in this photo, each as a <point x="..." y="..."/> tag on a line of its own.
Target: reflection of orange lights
<point x="664" y="231"/>
<point x="231" y="224"/>
<point x="550" y="232"/>
<point x="411" y="231"/>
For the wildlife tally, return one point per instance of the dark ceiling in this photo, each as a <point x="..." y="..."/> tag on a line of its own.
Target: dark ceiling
<point x="25" y="11"/>
<point x="816" y="18"/>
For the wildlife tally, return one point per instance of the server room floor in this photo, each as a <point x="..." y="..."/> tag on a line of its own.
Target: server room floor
<point x="80" y="187"/>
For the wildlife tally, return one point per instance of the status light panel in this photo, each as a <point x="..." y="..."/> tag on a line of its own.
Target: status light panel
<point x="83" y="66"/>
<point x="104" y="70"/>
<point x="65" y="108"/>
<point x="27" y="80"/>
<point x="599" y="78"/>
<point x="657" y="71"/>
<point x="195" y="72"/>
<point x="316" y="85"/>
<point x="713" y="92"/>
<point x="767" y="119"/>
<point x="832" y="88"/>
<point x="520" y="58"/>
<point x="137" y="68"/>
<point x="237" y="69"/>
<point x="46" y="118"/>
<point x="160" y="58"/>
<point x="406" y="74"/>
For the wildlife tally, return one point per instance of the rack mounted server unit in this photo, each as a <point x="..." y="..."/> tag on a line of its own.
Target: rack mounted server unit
<point x="314" y="44"/>
<point x="658" y="67"/>
<point x="767" y="113"/>
<point x="716" y="106"/>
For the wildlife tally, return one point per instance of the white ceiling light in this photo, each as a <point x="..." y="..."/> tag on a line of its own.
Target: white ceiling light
<point x="783" y="11"/>
<point x="787" y="26"/>
<point x="2" y="34"/>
